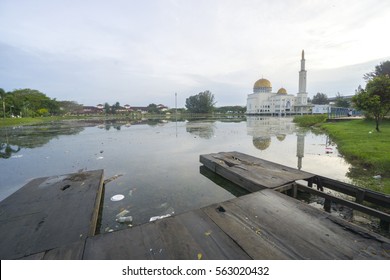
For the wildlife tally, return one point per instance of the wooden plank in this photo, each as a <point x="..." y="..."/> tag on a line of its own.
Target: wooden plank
<point x="49" y="212"/>
<point x="193" y="235"/>
<point x="118" y="245"/>
<point x="251" y="173"/>
<point x="73" y="251"/>
<point x="270" y="225"/>
<point x="190" y="235"/>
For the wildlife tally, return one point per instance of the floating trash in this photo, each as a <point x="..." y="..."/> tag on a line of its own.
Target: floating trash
<point x="112" y="178"/>
<point x="122" y="213"/>
<point x="99" y="158"/>
<point x="328" y="150"/>
<point x="125" y="220"/>
<point x="155" y="218"/>
<point x="117" y="197"/>
<point x="17" y="156"/>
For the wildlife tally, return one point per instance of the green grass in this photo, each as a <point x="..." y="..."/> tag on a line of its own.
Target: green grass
<point x="368" y="150"/>
<point x="20" y="121"/>
<point x="309" y="120"/>
<point x="32" y="121"/>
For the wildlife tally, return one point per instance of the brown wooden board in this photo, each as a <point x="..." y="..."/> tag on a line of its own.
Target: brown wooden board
<point x="270" y="225"/>
<point x="251" y="173"/>
<point x="50" y="212"/>
<point x="190" y="235"/>
<point x="124" y="244"/>
<point x="368" y="195"/>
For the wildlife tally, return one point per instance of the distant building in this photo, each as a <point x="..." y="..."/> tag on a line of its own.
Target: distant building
<point x="162" y="108"/>
<point x="91" y="110"/>
<point x="265" y="102"/>
<point x="321" y="109"/>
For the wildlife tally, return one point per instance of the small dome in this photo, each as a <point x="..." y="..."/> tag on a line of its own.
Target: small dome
<point x="282" y="91"/>
<point x="262" y="83"/>
<point x="281" y="137"/>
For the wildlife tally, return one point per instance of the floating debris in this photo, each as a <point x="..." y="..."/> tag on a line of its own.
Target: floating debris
<point x="125" y="220"/>
<point x="328" y="150"/>
<point x="117" y="197"/>
<point x="17" y="156"/>
<point x="122" y="213"/>
<point x="98" y="158"/>
<point x="377" y="177"/>
<point x="112" y="178"/>
<point x="155" y="218"/>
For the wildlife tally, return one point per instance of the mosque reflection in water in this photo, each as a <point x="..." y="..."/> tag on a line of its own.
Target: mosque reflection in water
<point x="264" y="129"/>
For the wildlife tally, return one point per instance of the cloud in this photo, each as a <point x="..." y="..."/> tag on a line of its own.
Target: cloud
<point x="139" y="52"/>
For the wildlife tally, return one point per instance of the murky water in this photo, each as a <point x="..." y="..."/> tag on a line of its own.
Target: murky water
<point x="155" y="165"/>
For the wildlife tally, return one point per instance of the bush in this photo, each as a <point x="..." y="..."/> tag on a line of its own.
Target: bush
<point x="309" y="120"/>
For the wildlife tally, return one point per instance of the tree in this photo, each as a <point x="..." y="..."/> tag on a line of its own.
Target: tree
<point x="2" y="96"/>
<point x="341" y="101"/>
<point x="70" y="107"/>
<point x="203" y="102"/>
<point x="153" y="109"/>
<point x="107" y="108"/>
<point x="375" y="99"/>
<point x="28" y="101"/>
<point x="382" y="69"/>
<point x="115" y="107"/>
<point x="320" y="99"/>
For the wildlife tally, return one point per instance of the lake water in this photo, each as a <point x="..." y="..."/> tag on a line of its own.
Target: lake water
<point x="155" y="164"/>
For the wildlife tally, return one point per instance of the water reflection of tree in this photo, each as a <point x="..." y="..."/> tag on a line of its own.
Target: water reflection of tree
<point x="13" y="140"/>
<point x="204" y="130"/>
<point x="8" y="150"/>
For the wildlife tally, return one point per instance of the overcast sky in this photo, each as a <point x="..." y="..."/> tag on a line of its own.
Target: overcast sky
<point x="142" y="52"/>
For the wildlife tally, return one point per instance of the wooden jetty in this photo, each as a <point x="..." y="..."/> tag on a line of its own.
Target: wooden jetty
<point x="51" y="214"/>
<point x="264" y="224"/>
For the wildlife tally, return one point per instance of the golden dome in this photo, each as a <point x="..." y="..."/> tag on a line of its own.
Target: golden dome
<point x="262" y="83"/>
<point x="261" y="143"/>
<point x="281" y="137"/>
<point x="282" y="91"/>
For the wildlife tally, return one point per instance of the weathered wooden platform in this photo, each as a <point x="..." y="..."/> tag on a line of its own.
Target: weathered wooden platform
<point x="252" y="173"/>
<point x="51" y="213"/>
<point x="261" y="225"/>
<point x="55" y="218"/>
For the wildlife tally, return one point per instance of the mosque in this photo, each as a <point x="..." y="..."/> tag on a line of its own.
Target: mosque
<point x="265" y="102"/>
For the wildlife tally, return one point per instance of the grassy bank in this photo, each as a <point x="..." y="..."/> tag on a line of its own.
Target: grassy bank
<point x="365" y="148"/>
<point x="359" y="141"/>
<point x="309" y="120"/>
<point x="37" y="120"/>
